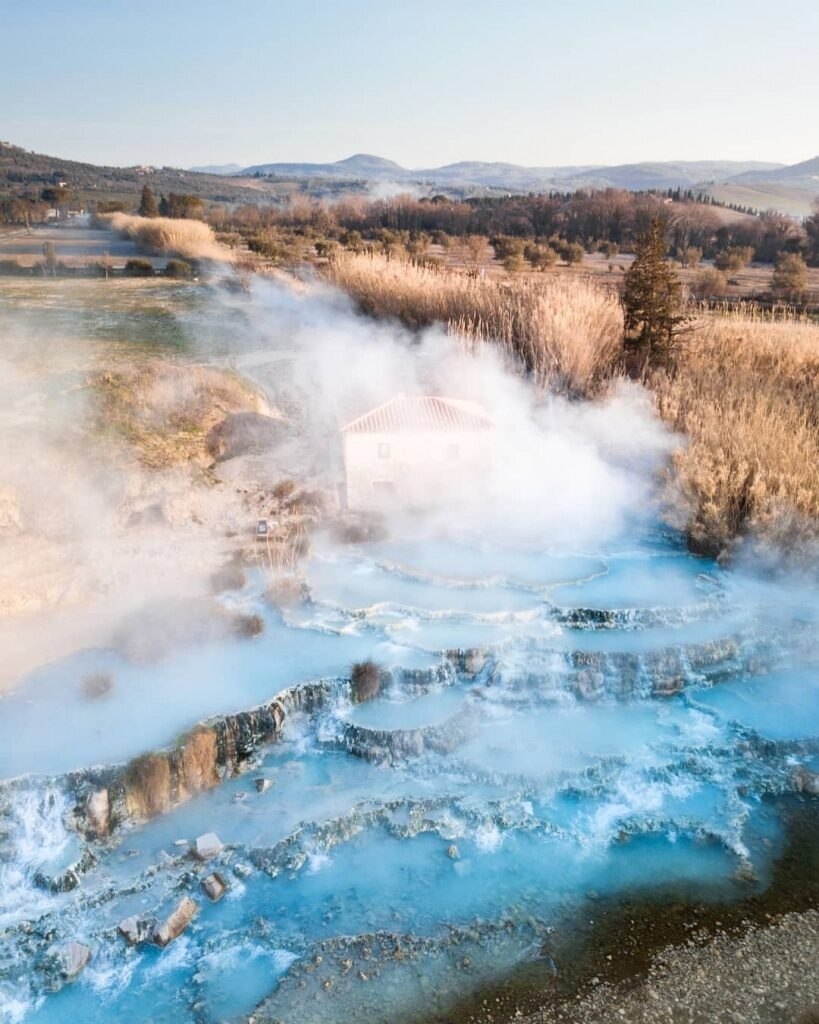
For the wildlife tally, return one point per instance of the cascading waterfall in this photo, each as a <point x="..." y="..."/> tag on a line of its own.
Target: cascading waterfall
<point x="548" y="725"/>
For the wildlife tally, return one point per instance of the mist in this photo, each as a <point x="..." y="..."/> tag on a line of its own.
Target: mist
<point x="562" y="699"/>
<point x="563" y="473"/>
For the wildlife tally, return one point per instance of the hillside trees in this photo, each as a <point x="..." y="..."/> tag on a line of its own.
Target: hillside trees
<point x="181" y="206"/>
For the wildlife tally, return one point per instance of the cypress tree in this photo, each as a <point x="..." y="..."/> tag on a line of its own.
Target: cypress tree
<point x="147" y="204"/>
<point x="651" y="292"/>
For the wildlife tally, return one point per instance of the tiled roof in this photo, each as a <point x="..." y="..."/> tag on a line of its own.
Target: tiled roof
<point x="421" y="413"/>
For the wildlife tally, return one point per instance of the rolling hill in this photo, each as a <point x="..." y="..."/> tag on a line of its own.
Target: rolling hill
<point x="496" y="175"/>
<point x="24" y="172"/>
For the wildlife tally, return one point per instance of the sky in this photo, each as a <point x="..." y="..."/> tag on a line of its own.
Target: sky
<point x="421" y="82"/>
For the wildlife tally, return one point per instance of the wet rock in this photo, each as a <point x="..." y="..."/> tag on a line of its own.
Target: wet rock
<point x="137" y="928"/>
<point x="208" y="846"/>
<point x="214" y="886"/>
<point x="98" y="813"/>
<point x="241" y="433"/>
<point x="69" y="879"/>
<point x="805" y="781"/>
<point x="75" y="957"/>
<point x="589" y="684"/>
<point x="63" y="964"/>
<point x="453" y="852"/>
<point x="262" y="785"/>
<point x="474" y="661"/>
<point x="176" y="922"/>
<point x="242" y="870"/>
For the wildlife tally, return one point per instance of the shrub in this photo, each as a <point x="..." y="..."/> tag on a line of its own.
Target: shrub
<point x="572" y="252"/>
<point x="366" y="681"/>
<point x="689" y="255"/>
<point x="541" y="257"/>
<point x="506" y="245"/>
<point x="513" y="263"/>
<point x="198" y="766"/>
<point x="97" y="685"/>
<point x="709" y="284"/>
<point x="178" y="269"/>
<point x="139" y="268"/>
<point x="248" y="626"/>
<point x="734" y="258"/>
<point x="148" y="786"/>
<point x="790" y="276"/>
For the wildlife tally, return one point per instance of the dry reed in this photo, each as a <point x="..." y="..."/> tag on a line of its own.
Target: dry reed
<point x="745" y="391"/>
<point x="566" y="333"/>
<point x="742" y="384"/>
<point x="191" y="238"/>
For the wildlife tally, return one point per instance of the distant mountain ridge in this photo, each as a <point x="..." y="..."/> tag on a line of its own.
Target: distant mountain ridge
<point x="667" y="174"/>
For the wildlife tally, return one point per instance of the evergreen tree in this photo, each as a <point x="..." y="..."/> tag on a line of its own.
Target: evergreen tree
<point x="147" y="204"/>
<point x="164" y="209"/>
<point x="652" y="291"/>
<point x="812" y="233"/>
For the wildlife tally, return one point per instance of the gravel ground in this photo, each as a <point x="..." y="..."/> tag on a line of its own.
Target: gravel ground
<point x="764" y="975"/>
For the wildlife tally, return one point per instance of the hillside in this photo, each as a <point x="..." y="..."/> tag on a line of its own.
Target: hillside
<point x="23" y="172"/>
<point x="752" y="183"/>
<point x="515" y="177"/>
<point x="801" y="175"/>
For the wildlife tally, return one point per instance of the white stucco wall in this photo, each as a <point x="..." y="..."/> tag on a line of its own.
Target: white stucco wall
<point x="420" y="465"/>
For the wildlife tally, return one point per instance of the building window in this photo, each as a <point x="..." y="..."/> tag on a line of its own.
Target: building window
<point x="383" y="451"/>
<point x="453" y="452"/>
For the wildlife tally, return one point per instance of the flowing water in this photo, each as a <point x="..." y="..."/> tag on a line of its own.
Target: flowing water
<point x="619" y="722"/>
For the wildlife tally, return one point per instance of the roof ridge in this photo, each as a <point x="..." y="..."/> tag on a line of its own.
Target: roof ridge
<point x="421" y="412"/>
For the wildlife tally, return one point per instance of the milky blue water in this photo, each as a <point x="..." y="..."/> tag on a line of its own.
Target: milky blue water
<point x="363" y="889"/>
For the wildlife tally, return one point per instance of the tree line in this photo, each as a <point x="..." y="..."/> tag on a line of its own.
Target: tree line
<point x="603" y="220"/>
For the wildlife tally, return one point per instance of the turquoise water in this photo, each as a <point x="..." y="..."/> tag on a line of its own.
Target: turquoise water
<point x="359" y="888"/>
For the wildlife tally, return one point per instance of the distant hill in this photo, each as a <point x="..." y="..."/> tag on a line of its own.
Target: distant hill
<point x="24" y="172"/>
<point x="792" y="189"/>
<point x="752" y="183"/>
<point x="682" y="174"/>
<point x="361" y="165"/>
<point x="801" y="175"/>
<point x="758" y="184"/>
<point x="224" y="170"/>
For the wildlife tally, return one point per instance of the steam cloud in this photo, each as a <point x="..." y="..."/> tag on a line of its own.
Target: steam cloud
<point x="80" y="555"/>
<point x="564" y="473"/>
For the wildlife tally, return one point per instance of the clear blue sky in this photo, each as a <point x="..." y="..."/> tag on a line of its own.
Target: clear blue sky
<point x="423" y="82"/>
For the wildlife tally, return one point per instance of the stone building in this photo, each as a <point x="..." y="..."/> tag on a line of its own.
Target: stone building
<point x="412" y="448"/>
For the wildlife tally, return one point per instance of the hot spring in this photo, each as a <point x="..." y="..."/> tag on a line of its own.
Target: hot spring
<point x="549" y="725"/>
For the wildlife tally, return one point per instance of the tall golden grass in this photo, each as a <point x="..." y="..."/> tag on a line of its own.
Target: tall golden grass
<point x="745" y="391"/>
<point x="567" y="333"/>
<point x="191" y="238"/>
<point x="742" y="385"/>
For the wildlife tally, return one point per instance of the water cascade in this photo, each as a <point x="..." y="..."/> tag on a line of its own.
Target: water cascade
<point x="542" y="726"/>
